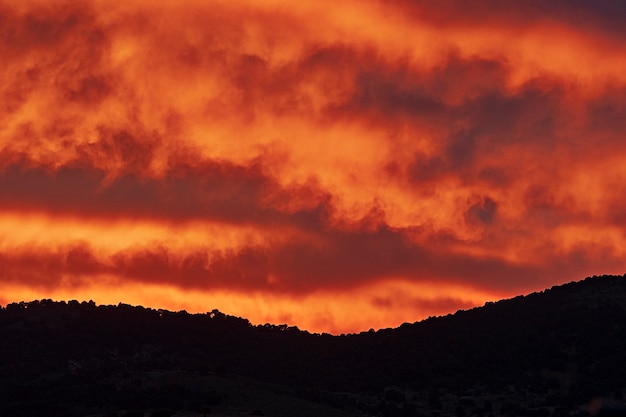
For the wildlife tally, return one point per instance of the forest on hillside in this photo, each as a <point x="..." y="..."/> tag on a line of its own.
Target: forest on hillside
<point x="543" y="354"/>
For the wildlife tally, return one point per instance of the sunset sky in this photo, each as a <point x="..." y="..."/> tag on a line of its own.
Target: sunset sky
<point x="335" y="165"/>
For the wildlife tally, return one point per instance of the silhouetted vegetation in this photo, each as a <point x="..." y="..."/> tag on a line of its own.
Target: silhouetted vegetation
<point x="545" y="354"/>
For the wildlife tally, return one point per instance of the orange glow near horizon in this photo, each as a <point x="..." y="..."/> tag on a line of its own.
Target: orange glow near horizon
<point x="398" y="161"/>
<point x="349" y="312"/>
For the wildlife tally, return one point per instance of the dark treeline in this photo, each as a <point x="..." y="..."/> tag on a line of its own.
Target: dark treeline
<point x="543" y="354"/>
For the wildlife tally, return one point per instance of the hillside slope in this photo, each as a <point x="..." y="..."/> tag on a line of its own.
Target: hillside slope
<point x="542" y="354"/>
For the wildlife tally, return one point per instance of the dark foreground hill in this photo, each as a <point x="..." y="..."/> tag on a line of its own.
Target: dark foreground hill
<point x="545" y="354"/>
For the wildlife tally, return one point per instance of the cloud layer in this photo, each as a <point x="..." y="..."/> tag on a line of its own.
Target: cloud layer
<point x="337" y="166"/>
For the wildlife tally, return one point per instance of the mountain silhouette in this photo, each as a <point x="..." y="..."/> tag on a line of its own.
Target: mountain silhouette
<point x="544" y="354"/>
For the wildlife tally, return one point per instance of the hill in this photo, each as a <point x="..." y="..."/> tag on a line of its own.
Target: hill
<point x="544" y="354"/>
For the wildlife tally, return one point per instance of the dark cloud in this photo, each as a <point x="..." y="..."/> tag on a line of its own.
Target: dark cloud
<point x="482" y="212"/>
<point x="528" y="115"/>
<point x="214" y="191"/>
<point x="607" y="115"/>
<point x="50" y="268"/>
<point x="484" y="108"/>
<point x="218" y="191"/>
<point x="428" y="169"/>
<point x="122" y="151"/>
<point x="90" y="89"/>
<point x="461" y="149"/>
<point x="475" y="119"/>
<point x="340" y="261"/>
<point x="436" y="306"/>
<point x="61" y="44"/>
<point x="603" y="16"/>
<point x="386" y="94"/>
<point x="43" y="27"/>
<point x="422" y="93"/>
<point x="243" y="269"/>
<point x="496" y="176"/>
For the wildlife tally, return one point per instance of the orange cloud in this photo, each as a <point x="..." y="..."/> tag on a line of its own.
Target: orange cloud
<point x="402" y="159"/>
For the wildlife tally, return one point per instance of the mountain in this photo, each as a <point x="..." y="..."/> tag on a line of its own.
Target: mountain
<point x="543" y="354"/>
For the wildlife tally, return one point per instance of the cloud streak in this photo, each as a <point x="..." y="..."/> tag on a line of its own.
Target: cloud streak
<point x="244" y="152"/>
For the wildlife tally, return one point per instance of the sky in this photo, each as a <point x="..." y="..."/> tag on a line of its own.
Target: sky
<point x="338" y="166"/>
